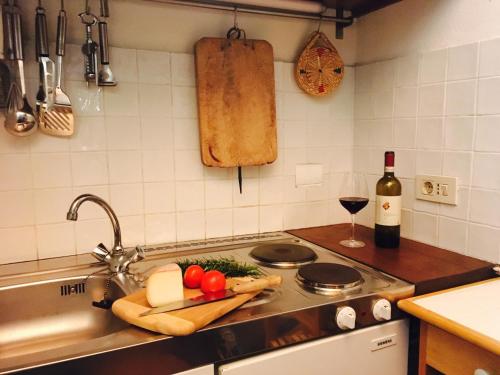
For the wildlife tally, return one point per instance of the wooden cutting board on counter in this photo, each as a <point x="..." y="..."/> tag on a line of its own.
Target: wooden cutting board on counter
<point x="236" y="102"/>
<point x="176" y="323"/>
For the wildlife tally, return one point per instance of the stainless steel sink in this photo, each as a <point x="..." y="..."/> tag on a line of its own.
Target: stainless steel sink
<point x="45" y="315"/>
<point x="47" y="320"/>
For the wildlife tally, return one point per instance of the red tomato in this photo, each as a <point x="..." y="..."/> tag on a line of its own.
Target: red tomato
<point x="213" y="281"/>
<point x="193" y="276"/>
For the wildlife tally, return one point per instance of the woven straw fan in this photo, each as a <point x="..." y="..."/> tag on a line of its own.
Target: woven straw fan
<point x="319" y="69"/>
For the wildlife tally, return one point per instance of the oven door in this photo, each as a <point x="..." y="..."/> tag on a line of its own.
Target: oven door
<point x="381" y="349"/>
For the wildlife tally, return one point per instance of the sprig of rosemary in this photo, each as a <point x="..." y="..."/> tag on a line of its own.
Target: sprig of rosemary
<point x="227" y="265"/>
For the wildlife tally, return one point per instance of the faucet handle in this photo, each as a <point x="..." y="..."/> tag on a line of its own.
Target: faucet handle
<point x="140" y="254"/>
<point x="122" y="262"/>
<point x="101" y="253"/>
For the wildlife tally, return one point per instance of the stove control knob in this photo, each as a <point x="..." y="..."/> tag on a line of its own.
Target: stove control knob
<point x="346" y="317"/>
<point x="382" y="310"/>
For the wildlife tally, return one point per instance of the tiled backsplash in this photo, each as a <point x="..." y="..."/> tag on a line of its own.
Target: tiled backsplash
<point x="136" y="146"/>
<point x="440" y="111"/>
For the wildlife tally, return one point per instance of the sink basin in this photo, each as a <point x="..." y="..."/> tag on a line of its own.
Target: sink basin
<point x="47" y="315"/>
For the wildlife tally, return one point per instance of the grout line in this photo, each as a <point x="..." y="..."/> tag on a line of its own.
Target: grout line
<point x="32" y="180"/>
<point x="412" y="211"/>
<point x="141" y="145"/>
<point x="443" y="140"/>
<point x="176" y="213"/>
<point x="474" y="134"/>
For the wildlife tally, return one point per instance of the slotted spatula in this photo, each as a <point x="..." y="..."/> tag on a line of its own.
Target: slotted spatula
<point x="59" y="120"/>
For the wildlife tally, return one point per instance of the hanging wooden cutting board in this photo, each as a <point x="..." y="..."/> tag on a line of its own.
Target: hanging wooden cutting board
<point x="236" y="102"/>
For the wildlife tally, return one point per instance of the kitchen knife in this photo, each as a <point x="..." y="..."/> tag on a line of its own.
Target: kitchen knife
<point x="190" y="302"/>
<point x="239" y="287"/>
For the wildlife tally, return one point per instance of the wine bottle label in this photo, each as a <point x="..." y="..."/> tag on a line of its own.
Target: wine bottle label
<point x="388" y="210"/>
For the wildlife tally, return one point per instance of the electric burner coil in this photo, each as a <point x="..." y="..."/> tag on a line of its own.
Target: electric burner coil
<point x="283" y="255"/>
<point x="328" y="278"/>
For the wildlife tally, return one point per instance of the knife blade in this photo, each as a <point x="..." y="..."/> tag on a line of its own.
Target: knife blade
<point x="190" y="302"/>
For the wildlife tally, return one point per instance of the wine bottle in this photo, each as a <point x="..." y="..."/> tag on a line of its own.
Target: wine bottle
<point x="388" y="206"/>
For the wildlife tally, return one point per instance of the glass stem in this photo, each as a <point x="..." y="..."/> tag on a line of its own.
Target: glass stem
<point x="352" y="227"/>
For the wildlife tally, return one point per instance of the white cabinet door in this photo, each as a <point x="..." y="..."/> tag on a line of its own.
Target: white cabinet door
<point x="378" y="350"/>
<point x="203" y="370"/>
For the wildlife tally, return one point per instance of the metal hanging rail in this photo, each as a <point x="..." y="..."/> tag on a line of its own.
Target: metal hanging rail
<point x="247" y="7"/>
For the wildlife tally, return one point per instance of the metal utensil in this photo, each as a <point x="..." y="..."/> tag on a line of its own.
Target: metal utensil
<point x="40" y="103"/>
<point x="46" y="65"/>
<point x="8" y="35"/>
<point x="191" y="302"/>
<point x="89" y="48"/>
<point x="106" y="77"/>
<point x="6" y="53"/>
<point x="59" y="119"/>
<point x="5" y="81"/>
<point x="238" y="287"/>
<point x="20" y="119"/>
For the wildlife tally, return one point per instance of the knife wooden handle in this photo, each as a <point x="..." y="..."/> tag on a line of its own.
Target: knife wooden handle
<point x="256" y="284"/>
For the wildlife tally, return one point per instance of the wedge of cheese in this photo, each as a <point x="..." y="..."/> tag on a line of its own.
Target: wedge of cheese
<point x="165" y="285"/>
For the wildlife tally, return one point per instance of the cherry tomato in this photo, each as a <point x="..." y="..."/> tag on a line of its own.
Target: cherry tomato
<point x="193" y="276"/>
<point x="213" y="281"/>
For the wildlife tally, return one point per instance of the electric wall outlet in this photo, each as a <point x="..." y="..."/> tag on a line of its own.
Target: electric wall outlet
<point x="439" y="189"/>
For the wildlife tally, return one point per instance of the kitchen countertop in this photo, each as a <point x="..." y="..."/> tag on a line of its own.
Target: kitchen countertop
<point x="123" y="350"/>
<point x="469" y="312"/>
<point x="428" y="267"/>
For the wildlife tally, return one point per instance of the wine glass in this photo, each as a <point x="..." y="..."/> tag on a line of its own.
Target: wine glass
<point x="353" y="197"/>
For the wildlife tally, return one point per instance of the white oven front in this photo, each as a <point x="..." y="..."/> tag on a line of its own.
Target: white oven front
<point x="377" y="350"/>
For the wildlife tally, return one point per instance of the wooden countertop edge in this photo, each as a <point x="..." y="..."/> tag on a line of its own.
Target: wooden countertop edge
<point x="449" y="325"/>
<point x="454" y="268"/>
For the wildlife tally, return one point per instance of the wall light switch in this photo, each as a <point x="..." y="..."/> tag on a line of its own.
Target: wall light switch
<point x="308" y="174"/>
<point x="440" y="189"/>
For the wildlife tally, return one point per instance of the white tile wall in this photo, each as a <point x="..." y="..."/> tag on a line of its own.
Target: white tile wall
<point x="445" y="121"/>
<point x="489" y="57"/>
<point x="462" y="62"/>
<point x="433" y="66"/>
<point x="137" y="146"/>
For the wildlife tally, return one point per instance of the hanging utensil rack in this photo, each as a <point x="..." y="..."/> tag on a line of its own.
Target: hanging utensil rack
<point x="323" y="13"/>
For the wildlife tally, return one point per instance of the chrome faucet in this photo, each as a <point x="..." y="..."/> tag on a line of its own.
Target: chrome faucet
<point x="117" y="258"/>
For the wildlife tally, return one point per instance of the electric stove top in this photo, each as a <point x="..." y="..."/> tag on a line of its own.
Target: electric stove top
<point x="314" y="278"/>
<point x="323" y="294"/>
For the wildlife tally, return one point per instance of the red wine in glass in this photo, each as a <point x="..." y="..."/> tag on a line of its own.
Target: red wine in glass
<point x="353" y="204"/>
<point x="353" y="196"/>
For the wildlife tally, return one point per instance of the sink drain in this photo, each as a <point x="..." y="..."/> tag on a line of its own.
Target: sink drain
<point x="67" y="290"/>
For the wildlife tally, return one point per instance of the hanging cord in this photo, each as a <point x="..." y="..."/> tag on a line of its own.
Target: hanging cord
<point x="106" y="302"/>
<point x="62" y="4"/>
<point x="319" y="22"/>
<point x="86" y="16"/>
<point x="235" y="32"/>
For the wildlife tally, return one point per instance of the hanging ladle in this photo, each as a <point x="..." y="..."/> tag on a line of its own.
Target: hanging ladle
<point x="20" y="119"/>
